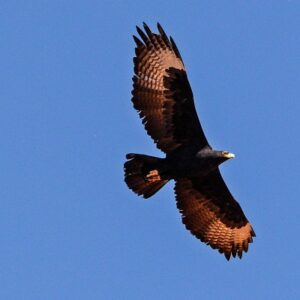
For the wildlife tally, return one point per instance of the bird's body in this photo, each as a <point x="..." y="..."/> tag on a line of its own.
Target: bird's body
<point x="163" y="97"/>
<point x="186" y="162"/>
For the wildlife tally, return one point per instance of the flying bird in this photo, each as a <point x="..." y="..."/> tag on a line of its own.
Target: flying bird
<point x="164" y="100"/>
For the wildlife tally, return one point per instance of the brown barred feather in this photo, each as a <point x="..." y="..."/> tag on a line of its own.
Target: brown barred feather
<point x="162" y="94"/>
<point x="211" y="213"/>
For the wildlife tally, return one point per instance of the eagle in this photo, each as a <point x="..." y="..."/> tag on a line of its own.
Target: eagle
<point x="164" y="100"/>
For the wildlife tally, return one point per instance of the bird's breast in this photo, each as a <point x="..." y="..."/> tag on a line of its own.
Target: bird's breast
<point x="188" y="166"/>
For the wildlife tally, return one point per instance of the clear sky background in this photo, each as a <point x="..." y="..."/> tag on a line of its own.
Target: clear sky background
<point x="69" y="227"/>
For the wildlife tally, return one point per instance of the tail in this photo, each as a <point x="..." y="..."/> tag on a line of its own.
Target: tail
<point x="142" y="174"/>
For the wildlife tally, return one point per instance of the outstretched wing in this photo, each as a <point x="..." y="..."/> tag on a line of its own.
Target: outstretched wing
<point x="162" y="93"/>
<point x="211" y="213"/>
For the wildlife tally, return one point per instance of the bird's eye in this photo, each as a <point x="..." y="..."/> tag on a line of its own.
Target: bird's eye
<point x="225" y="152"/>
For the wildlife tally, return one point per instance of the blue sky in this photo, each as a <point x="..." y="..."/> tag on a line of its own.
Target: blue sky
<point x="69" y="227"/>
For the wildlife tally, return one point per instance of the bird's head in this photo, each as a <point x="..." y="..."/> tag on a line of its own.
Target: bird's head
<point x="215" y="155"/>
<point x="222" y="156"/>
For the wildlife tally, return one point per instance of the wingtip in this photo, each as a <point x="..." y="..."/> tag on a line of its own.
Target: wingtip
<point x="163" y="34"/>
<point x="137" y="41"/>
<point x="175" y="48"/>
<point x="227" y="256"/>
<point x="142" y="34"/>
<point x="138" y="29"/>
<point x="147" y="29"/>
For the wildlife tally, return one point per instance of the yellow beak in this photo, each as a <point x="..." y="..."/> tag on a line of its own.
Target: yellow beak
<point x="228" y="155"/>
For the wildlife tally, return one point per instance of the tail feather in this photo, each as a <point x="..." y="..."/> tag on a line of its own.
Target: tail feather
<point x="142" y="174"/>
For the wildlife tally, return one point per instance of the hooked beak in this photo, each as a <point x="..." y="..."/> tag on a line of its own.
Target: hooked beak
<point x="228" y="154"/>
